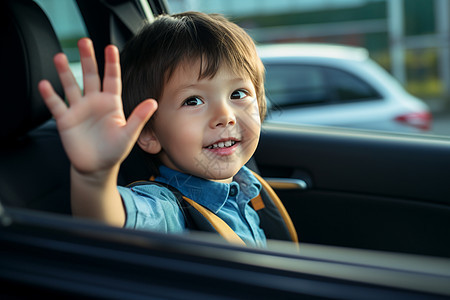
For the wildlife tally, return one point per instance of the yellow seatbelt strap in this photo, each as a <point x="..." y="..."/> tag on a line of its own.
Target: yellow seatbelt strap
<point x="225" y="230"/>
<point x="219" y="225"/>
<point x="283" y="212"/>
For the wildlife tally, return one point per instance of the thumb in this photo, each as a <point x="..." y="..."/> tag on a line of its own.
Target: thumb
<point x="140" y="116"/>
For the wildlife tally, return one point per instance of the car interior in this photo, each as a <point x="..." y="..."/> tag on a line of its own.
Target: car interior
<point x="34" y="168"/>
<point x="365" y="190"/>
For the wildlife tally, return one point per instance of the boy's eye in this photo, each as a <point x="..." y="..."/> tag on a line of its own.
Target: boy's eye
<point x="192" y="101"/>
<point x="239" y="94"/>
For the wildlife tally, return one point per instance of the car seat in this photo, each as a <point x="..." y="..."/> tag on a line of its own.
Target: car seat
<point x="34" y="170"/>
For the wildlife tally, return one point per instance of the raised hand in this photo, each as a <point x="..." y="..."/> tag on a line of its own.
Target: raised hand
<point x="93" y="128"/>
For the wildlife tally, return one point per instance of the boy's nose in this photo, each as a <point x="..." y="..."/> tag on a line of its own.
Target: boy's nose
<point x="223" y="116"/>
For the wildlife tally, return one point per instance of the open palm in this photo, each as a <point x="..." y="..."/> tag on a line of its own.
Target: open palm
<point x="93" y="128"/>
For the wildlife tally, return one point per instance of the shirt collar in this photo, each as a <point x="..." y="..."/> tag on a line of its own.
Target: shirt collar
<point x="210" y="194"/>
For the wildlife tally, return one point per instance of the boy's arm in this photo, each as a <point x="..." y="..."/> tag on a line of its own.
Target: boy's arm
<point x="95" y="196"/>
<point x="95" y="134"/>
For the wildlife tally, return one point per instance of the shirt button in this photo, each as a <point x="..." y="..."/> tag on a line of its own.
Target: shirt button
<point x="233" y="191"/>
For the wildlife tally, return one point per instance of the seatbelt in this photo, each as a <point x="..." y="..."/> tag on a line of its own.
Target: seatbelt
<point x="283" y="212"/>
<point x="222" y="227"/>
<point x="219" y="225"/>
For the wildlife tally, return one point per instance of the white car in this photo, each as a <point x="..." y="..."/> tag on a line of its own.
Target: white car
<point x="336" y="85"/>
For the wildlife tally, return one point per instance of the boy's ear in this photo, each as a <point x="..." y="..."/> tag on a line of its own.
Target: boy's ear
<point x="149" y="142"/>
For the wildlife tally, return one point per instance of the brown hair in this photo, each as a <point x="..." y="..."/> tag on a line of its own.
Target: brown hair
<point x="149" y="59"/>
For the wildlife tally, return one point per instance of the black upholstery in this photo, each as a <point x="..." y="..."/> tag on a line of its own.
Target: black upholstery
<point x="26" y="58"/>
<point x="34" y="170"/>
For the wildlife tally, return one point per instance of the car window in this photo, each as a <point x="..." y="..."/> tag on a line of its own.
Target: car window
<point x="67" y="22"/>
<point x="348" y="87"/>
<point x="69" y="27"/>
<point x="293" y="85"/>
<point x="418" y="59"/>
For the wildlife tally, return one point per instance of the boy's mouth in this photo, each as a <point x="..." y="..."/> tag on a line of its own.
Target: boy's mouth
<point x="222" y="144"/>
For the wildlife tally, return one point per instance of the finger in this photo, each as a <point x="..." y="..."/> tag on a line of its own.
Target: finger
<point x="91" y="79"/>
<point x="71" y="88"/>
<point x="139" y="117"/>
<point x="112" y="82"/>
<point x="54" y="103"/>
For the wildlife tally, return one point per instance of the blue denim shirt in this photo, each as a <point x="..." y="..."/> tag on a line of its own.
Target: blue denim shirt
<point x="153" y="207"/>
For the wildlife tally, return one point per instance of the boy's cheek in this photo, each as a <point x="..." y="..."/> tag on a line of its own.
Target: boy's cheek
<point x="251" y="112"/>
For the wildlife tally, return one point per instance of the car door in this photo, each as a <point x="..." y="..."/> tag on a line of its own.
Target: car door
<point x="364" y="189"/>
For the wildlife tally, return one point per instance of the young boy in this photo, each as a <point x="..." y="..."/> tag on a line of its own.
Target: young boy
<point x="200" y="80"/>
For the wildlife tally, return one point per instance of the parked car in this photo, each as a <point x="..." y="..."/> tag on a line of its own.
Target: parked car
<point x="373" y="218"/>
<point x="337" y="85"/>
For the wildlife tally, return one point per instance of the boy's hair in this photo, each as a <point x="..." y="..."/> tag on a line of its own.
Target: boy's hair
<point x="150" y="58"/>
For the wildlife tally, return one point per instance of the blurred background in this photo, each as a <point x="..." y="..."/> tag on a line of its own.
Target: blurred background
<point x="408" y="38"/>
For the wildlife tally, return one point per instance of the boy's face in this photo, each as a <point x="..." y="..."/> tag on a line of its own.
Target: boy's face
<point x="208" y="128"/>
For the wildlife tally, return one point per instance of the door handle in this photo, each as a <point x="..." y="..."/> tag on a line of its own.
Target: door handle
<point x="287" y="183"/>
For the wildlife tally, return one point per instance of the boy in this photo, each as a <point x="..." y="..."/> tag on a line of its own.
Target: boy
<point x="205" y="123"/>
